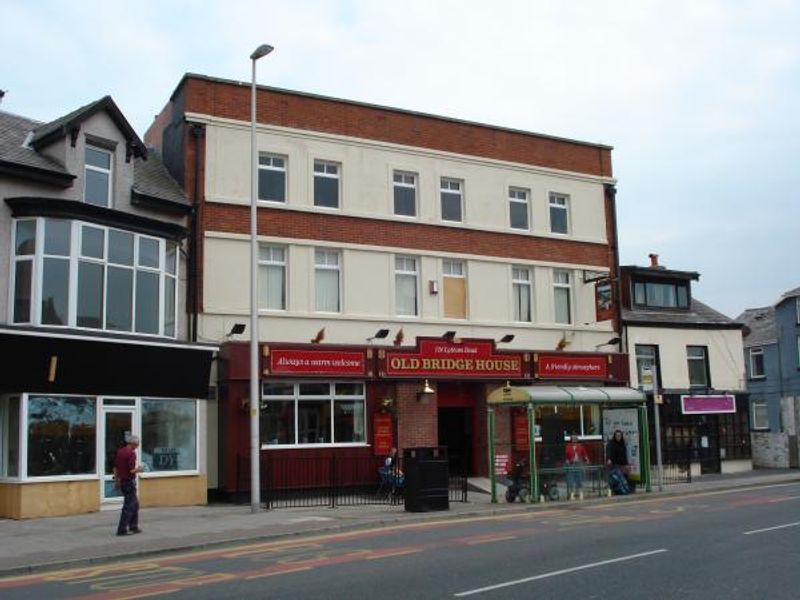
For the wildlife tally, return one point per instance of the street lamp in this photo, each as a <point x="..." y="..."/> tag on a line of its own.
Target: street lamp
<point x="255" y="442"/>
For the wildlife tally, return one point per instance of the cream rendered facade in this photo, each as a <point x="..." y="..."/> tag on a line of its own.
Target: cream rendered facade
<point x="367" y="272"/>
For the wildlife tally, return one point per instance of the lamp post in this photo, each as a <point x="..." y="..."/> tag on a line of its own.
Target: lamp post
<point x="255" y="442"/>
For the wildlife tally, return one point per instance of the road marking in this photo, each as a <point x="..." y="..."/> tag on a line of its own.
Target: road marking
<point x="560" y="572"/>
<point x="795" y="524"/>
<point x="486" y="539"/>
<point x="378" y="554"/>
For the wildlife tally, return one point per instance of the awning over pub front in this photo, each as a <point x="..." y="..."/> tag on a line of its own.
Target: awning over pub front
<point x="50" y="362"/>
<point x="557" y="394"/>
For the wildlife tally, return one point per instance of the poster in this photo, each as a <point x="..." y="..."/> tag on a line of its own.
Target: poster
<point x="384" y="434"/>
<point x="604" y="300"/>
<point x="627" y="421"/>
<point x="521" y="436"/>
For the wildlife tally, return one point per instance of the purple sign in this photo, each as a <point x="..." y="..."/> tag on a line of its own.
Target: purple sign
<point x="699" y="405"/>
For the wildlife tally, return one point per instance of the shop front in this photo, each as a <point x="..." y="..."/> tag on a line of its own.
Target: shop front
<point x="69" y="401"/>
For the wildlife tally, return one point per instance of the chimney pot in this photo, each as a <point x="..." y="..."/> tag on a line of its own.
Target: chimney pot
<point x="653" y="260"/>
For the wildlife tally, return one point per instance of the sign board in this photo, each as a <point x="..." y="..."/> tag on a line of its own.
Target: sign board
<point x="286" y="361"/>
<point x="627" y="421"/>
<point x="553" y="366"/>
<point x="604" y="300"/>
<point x="705" y="405"/>
<point x="384" y="434"/>
<point x="438" y="357"/>
<point x="501" y="464"/>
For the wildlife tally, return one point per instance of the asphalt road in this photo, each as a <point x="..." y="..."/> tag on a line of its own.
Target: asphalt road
<point x="737" y="544"/>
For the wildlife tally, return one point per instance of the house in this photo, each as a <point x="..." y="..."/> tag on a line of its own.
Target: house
<point x="695" y="353"/>
<point x="408" y="265"/>
<point x="772" y="360"/>
<point x="92" y="321"/>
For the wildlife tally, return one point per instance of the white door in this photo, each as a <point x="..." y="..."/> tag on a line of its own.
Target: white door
<point x="119" y="423"/>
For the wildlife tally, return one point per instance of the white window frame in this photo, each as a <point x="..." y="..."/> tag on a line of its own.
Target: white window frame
<point x="754" y="404"/>
<point x="706" y="366"/>
<point x="449" y="186"/>
<point x="559" y="201"/>
<point x="753" y="352"/>
<point x="332" y="396"/>
<point x="330" y="170"/>
<point x="403" y="183"/>
<point x="518" y="195"/>
<point x="797" y="310"/>
<point x="406" y="273"/>
<point x="38" y="239"/>
<point x="326" y="266"/>
<point x="271" y="166"/>
<point x="557" y="285"/>
<point x="96" y="169"/>
<point x="519" y="282"/>
<point x="272" y="262"/>
<point x="4" y="434"/>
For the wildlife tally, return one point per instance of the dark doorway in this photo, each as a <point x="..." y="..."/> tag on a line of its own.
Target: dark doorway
<point x="455" y="432"/>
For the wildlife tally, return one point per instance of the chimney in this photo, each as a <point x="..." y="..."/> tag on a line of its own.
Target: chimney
<point x="653" y="261"/>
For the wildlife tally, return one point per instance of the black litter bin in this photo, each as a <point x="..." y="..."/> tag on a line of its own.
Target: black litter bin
<point x="426" y="479"/>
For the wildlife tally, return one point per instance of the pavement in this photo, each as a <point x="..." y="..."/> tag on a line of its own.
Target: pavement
<point x="60" y="542"/>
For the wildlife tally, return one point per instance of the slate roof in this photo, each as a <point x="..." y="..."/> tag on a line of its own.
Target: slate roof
<point x="795" y="293"/>
<point x="699" y="314"/>
<point x="151" y="178"/>
<point x="760" y="323"/>
<point x="14" y="130"/>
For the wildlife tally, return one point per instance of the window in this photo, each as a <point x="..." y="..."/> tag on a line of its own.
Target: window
<point x="661" y="295"/>
<point x="405" y="194"/>
<point x="97" y="171"/>
<point x="326" y="184"/>
<point x="797" y="310"/>
<point x="698" y="366"/>
<point x="521" y="290"/>
<point x="405" y="286"/>
<point x="313" y="413"/>
<point x="582" y="420"/>
<point x="452" y="199"/>
<point x="272" y="277"/>
<point x="94" y="277"/>
<point x="559" y="213"/>
<point x="169" y="435"/>
<point x="454" y="286"/>
<point x="326" y="280"/>
<point x="61" y="436"/>
<point x="646" y="359"/>
<point x="798" y="351"/>
<point x="759" y="414"/>
<point x="756" y="363"/>
<point x="562" y="297"/>
<point x="272" y="178"/>
<point x="9" y="437"/>
<point x="518" y="208"/>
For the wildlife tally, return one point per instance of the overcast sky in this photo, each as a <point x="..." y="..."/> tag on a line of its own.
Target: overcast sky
<point x="700" y="100"/>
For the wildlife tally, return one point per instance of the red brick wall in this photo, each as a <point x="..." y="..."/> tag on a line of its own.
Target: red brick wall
<point x="417" y="422"/>
<point x="231" y="100"/>
<point x="415" y="236"/>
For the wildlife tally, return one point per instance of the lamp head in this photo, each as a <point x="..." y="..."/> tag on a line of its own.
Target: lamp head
<point x="261" y="51"/>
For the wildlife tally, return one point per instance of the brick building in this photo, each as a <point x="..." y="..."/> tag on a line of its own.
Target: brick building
<point x="408" y="265"/>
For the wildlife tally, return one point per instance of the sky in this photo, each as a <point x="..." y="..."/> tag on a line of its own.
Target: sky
<point x="700" y="99"/>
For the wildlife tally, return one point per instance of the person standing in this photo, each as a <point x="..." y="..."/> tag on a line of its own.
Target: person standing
<point x="618" y="465"/>
<point x="576" y="457"/>
<point x="125" y="470"/>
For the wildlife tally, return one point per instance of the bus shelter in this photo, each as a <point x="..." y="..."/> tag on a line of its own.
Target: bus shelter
<point x="530" y="397"/>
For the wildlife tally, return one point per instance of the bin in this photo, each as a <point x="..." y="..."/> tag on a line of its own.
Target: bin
<point x="426" y="479"/>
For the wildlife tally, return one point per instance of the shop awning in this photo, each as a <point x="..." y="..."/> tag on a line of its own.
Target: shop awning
<point x="556" y="394"/>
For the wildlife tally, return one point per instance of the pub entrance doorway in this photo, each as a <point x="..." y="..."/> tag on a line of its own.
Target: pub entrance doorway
<point x="455" y="432"/>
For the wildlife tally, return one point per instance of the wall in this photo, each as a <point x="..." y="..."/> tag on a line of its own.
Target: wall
<point x="770" y="450"/>
<point x="768" y="387"/>
<point x="52" y="499"/>
<point x="173" y="491"/>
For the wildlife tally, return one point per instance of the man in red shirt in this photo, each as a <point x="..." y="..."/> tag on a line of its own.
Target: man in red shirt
<point x="125" y="470"/>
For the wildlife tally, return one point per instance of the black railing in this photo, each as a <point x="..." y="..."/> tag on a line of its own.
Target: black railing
<point x="331" y="481"/>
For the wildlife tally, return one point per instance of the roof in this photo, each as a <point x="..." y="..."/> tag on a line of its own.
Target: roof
<point x="660" y="272"/>
<point x="151" y="178"/>
<point x="699" y="315"/>
<point x="760" y="324"/>
<point x="795" y="293"/>
<point x="555" y="394"/>
<point x="14" y="130"/>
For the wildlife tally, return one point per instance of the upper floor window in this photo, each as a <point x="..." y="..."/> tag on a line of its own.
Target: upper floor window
<point x="454" y="286"/>
<point x="326" y="280"/>
<point x="562" y="297"/>
<point x="757" y="363"/>
<point x="759" y="414"/>
<point x="451" y="192"/>
<point x="661" y="295"/>
<point x="518" y="208"/>
<point x="405" y="286"/>
<point x="271" y="277"/>
<point x="94" y="277"/>
<point x="405" y="193"/>
<point x="559" y="213"/>
<point x="646" y="360"/>
<point x="697" y="359"/>
<point x="97" y="172"/>
<point x="797" y="309"/>
<point x="272" y="177"/>
<point x="521" y="284"/>
<point x="326" y="184"/>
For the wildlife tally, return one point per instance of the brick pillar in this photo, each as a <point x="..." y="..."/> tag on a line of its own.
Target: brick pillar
<point x="417" y="422"/>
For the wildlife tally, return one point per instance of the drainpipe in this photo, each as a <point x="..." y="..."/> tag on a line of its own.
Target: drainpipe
<point x="197" y="133"/>
<point x="611" y="194"/>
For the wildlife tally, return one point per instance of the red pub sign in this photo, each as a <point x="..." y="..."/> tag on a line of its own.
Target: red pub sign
<point x="467" y="358"/>
<point x="553" y="366"/>
<point x="290" y="361"/>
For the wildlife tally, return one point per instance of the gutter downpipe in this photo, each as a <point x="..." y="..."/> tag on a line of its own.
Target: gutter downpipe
<point x="197" y="133"/>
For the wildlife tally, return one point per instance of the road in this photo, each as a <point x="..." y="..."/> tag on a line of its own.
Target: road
<point x="735" y="544"/>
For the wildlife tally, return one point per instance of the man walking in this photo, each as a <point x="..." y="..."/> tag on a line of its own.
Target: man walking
<point x="125" y="470"/>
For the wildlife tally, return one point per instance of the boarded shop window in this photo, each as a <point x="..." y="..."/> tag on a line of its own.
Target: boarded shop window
<point x="61" y="436"/>
<point x="454" y="286"/>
